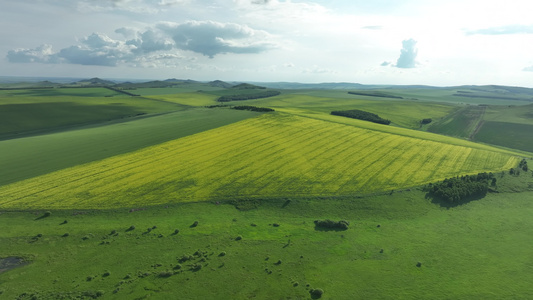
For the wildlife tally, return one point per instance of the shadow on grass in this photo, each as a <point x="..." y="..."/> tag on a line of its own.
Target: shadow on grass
<point x="447" y="204"/>
<point x="45" y="215"/>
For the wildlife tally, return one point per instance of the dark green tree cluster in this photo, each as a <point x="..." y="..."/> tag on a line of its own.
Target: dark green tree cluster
<point x="426" y="121"/>
<point x="523" y="165"/>
<point x="460" y="189"/>
<point x="241" y="97"/>
<point x="332" y="225"/>
<point x="253" y="108"/>
<point x="361" y="115"/>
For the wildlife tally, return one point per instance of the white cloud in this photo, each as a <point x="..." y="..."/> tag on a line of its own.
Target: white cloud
<point x="41" y="54"/>
<point x="408" y="55"/>
<point x="212" y="38"/>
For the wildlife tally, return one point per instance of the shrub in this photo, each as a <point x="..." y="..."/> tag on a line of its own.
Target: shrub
<point x="238" y="238"/>
<point x="223" y="253"/>
<point x="176" y="231"/>
<point x="275" y="225"/>
<point x="65" y="235"/>
<point x="194" y="224"/>
<point x="113" y="232"/>
<point x="47" y="214"/>
<point x="132" y="227"/>
<point x="106" y="274"/>
<point x="166" y="274"/>
<point x="332" y="225"/>
<point x="64" y="222"/>
<point x="419" y="264"/>
<point x="177" y="267"/>
<point x="316" y="292"/>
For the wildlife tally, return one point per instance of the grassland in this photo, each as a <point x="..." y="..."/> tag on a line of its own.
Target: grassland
<point x="31" y="156"/>
<point x="179" y="163"/>
<point x="42" y="110"/>
<point x="463" y="123"/>
<point x="274" y="155"/>
<point x="402" y="113"/>
<point x="478" y="250"/>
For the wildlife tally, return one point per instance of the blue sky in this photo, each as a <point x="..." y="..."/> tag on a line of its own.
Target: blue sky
<point x="373" y="42"/>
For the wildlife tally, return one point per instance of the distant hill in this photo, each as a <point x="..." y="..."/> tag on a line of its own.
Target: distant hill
<point x="95" y="81"/>
<point x="247" y="86"/>
<point x="220" y="83"/>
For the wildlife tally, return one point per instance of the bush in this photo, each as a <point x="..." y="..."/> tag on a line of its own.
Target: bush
<point x="194" y="224"/>
<point x="316" y="292"/>
<point x="223" y="253"/>
<point x="176" y="231"/>
<point x="106" y="274"/>
<point x="238" y="238"/>
<point x="132" y="227"/>
<point x="65" y="235"/>
<point x="166" y="274"/>
<point x="47" y="214"/>
<point x="332" y="225"/>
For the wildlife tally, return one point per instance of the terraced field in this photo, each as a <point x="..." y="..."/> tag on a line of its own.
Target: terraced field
<point x="273" y="155"/>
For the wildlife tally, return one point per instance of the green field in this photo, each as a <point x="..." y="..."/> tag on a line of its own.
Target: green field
<point x="477" y="250"/>
<point x="99" y="192"/>
<point x="32" y="156"/>
<point x="268" y="156"/>
<point x="41" y="110"/>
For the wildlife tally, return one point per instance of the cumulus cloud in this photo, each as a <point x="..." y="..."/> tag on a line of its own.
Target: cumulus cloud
<point x="159" y="42"/>
<point x="528" y="69"/>
<point x="211" y="38"/>
<point x="41" y="54"/>
<point x="408" y="55"/>
<point x="509" y="29"/>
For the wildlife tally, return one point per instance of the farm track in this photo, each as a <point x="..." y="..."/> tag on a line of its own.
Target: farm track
<point x="267" y="156"/>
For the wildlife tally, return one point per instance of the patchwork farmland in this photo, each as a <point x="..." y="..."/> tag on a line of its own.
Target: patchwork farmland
<point x="168" y="193"/>
<point x="268" y="156"/>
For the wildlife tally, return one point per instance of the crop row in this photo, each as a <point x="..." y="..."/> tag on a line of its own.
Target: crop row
<point x="268" y="156"/>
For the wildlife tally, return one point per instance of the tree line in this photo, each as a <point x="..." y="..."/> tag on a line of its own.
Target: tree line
<point x="361" y="115"/>
<point x="253" y="108"/>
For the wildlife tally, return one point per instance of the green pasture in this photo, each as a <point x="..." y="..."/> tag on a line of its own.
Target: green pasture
<point x="402" y="113"/>
<point x="27" y="157"/>
<point x="509" y="113"/>
<point x="510" y="135"/>
<point x="189" y="99"/>
<point x="462" y="123"/>
<point x="25" y="114"/>
<point x="398" y="246"/>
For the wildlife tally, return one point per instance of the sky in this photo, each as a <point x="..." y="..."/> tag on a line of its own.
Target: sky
<point x="430" y="42"/>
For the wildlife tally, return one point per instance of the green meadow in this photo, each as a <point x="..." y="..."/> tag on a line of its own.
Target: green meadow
<point x="109" y="196"/>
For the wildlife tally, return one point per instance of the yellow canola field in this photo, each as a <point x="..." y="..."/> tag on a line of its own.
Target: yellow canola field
<point x="272" y="155"/>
